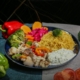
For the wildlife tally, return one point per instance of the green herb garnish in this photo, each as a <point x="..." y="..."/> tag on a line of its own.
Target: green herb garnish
<point x="57" y="32"/>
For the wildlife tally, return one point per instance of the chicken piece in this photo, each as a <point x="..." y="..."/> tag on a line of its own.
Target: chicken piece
<point x="35" y="43"/>
<point x="45" y="55"/>
<point x="28" y="61"/>
<point x="21" y="48"/>
<point x="44" y="63"/>
<point x="13" y="50"/>
<point x="27" y="51"/>
<point x="38" y="60"/>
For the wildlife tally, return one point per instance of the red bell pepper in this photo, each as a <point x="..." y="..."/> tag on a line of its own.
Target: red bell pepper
<point x="9" y="28"/>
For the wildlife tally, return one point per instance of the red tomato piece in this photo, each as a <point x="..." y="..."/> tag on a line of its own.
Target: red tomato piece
<point x="69" y="69"/>
<point x="68" y="74"/>
<point x="77" y="72"/>
<point x="58" y="76"/>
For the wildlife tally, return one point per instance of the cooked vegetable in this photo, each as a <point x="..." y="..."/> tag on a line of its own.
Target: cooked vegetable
<point x="10" y="27"/>
<point x="16" y="38"/>
<point x="26" y="29"/>
<point x="30" y="37"/>
<point x="36" y="25"/>
<point x="57" y="32"/>
<point x="13" y="50"/>
<point x="33" y="48"/>
<point x="40" y="51"/>
<point x="16" y="56"/>
<point x="79" y="36"/>
<point x="4" y="65"/>
<point x="23" y="56"/>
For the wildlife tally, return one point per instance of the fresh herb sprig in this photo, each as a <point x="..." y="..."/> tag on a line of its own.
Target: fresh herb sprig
<point x="57" y="32"/>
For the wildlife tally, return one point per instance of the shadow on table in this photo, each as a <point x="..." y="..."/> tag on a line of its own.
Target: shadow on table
<point x="5" y="78"/>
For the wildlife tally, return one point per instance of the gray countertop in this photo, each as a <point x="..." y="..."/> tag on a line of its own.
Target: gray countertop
<point x="74" y="64"/>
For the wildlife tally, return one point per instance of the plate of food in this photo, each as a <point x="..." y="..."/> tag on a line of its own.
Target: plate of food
<point x="41" y="47"/>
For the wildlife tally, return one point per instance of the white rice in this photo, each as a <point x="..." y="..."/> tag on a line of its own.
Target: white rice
<point x="60" y="56"/>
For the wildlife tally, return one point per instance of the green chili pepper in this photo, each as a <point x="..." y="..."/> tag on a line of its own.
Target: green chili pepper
<point x="4" y="65"/>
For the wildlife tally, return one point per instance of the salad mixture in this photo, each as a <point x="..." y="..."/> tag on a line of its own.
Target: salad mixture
<point x="35" y="46"/>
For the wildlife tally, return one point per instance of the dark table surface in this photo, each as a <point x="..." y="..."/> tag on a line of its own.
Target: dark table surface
<point x="55" y="11"/>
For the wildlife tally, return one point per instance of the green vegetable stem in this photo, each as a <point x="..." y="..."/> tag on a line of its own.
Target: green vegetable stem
<point x="4" y="65"/>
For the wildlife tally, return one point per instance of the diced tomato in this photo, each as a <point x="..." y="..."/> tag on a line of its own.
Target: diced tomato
<point x="77" y="72"/>
<point x="58" y="76"/>
<point x="68" y="74"/>
<point x="33" y="47"/>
